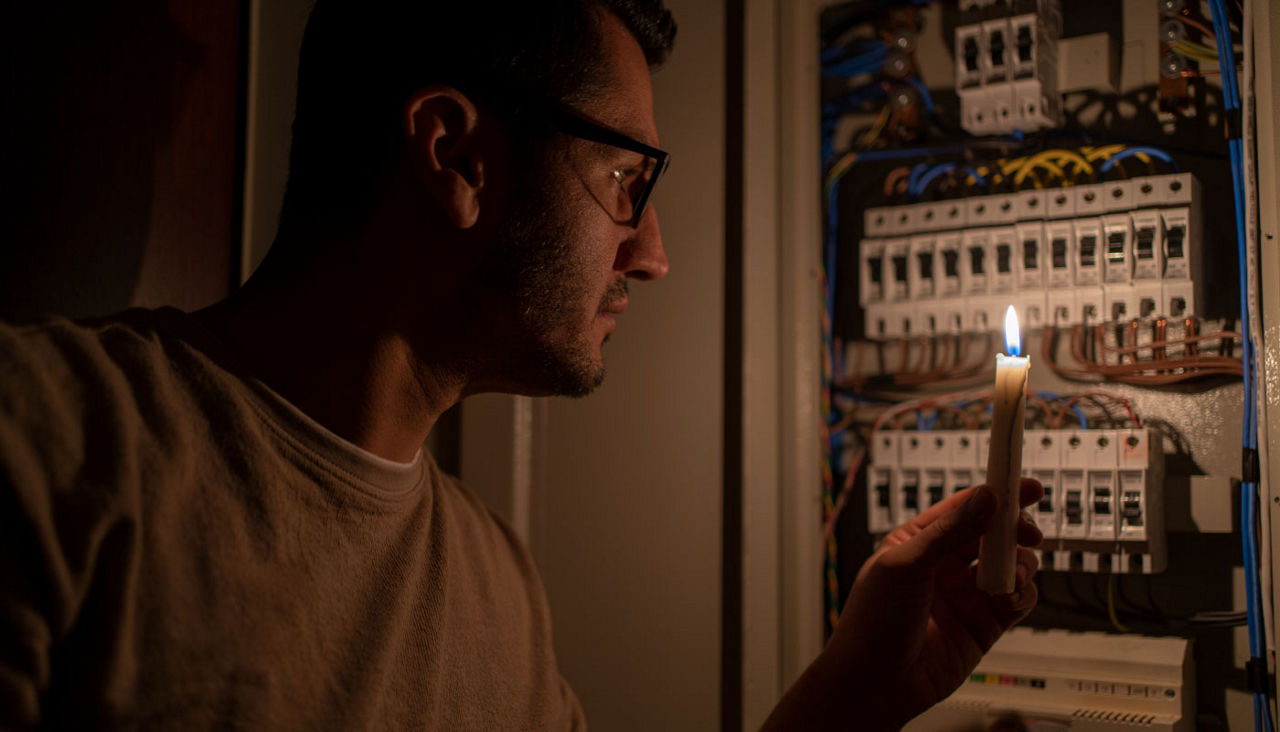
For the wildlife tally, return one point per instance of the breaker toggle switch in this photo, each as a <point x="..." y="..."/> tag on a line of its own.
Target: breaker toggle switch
<point x="1074" y="508"/>
<point x="1131" y="508"/>
<point x="1102" y="501"/>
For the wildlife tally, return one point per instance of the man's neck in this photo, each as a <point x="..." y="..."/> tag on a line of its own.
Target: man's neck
<point x="322" y="355"/>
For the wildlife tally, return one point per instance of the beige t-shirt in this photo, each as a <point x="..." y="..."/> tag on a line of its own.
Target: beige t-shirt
<point x="180" y="548"/>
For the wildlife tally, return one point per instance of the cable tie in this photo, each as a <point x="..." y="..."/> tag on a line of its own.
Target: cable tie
<point x="1258" y="679"/>
<point x="1250" y="467"/>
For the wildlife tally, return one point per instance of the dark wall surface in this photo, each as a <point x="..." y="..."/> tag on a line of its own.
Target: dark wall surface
<point x="119" y="155"/>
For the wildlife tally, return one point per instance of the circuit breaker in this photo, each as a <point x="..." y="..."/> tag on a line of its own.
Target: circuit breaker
<point x="1103" y="506"/>
<point x="1082" y="255"/>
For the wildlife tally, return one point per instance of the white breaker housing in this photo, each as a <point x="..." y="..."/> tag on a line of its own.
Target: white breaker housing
<point x="1103" y="506"/>
<point x="1068" y="256"/>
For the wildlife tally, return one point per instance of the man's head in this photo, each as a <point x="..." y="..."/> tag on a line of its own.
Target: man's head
<point x="362" y="59"/>
<point x="479" y="119"/>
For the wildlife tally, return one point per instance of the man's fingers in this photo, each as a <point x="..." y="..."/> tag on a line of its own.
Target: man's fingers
<point x="1030" y="491"/>
<point x="947" y="536"/>
<point x="1029" y="534"/>
<point x="1026" y="567"/>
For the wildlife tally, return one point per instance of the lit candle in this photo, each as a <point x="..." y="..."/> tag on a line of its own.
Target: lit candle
<point x="998" y="556"/>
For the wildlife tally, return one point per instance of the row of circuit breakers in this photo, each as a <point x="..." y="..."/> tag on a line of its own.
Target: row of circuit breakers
<point x="1103" y="505"/>
<point x="1066" y="256"/>
<point x="1006" y="65"/>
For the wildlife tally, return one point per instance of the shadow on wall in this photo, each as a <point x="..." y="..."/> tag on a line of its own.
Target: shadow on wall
<point x="92" y="94"/>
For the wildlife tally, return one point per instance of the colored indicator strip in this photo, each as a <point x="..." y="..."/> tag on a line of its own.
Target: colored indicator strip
<point x="1005" y="680"/>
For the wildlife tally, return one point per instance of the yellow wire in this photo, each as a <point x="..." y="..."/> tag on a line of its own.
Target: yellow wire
<point x="1199" y="48"/>
<point x="1098" y="153"/>
<point x="980" y="170"/>
<point x="873" y="133"/>
<point x="1043" y="159"/>
<point x="1107" y="151"/>
<point x="1111" y="606"/>
<point x="839" y="168"/>
<point x="1031" y="166"/>
<point x="1008" y="166"/>
<point x="1074" y="158"/>
<point x="1194" y="50"/>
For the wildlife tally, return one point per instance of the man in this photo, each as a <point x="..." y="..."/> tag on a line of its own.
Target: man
<point x="226" y="519"/>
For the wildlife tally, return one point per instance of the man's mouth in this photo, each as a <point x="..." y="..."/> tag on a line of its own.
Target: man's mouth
<point x="615" y="299"/>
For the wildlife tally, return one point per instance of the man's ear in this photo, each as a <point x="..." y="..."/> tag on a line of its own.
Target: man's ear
<point x="440" y="128"/>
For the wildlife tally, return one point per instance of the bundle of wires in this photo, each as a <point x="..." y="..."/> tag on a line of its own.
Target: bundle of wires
<point x="1129" y="368"/>
<point x="1068" y="166"/>
<point x="1257" y="666"/>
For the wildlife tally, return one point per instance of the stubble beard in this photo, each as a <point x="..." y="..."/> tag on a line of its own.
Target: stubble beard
<point x="534" y="265"/>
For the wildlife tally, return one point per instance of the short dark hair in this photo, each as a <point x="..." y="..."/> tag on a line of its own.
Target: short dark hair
<point x="362" y="59"/>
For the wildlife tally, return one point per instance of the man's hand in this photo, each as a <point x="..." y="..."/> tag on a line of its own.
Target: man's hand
<point x="915" y="624"/>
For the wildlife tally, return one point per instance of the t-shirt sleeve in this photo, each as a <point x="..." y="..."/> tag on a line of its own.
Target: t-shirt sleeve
<point x="51" y="528"/>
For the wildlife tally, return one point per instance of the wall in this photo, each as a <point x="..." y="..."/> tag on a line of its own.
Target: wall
<point x="625" y="517"/>
<point x="120" y="156"/>
<point x="275" y="36"/>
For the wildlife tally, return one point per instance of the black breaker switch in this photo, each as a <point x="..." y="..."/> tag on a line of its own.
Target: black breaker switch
<point x="1131" y="508"/>
<point x="1024" y="43"/>
<point x="1074" y="508"/>
<point x="1088" y="251"/>
<point x="1102" y="501"/>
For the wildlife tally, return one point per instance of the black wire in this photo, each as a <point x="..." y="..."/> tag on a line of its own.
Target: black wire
<point x="1111" y="419"/>
<point x="1071" y="589"/>
<point x="1123" y="599"/>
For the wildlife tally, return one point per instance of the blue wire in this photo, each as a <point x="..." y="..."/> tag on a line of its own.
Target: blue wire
<point x="923" y="184"/>
<point x="1084" y="423"/>
<point x="1248" y="491"/>
<point x="1131" y="151"/>
<point x="914" y="179"/>
<point x="832" y="55"/>
<point x="865" y="63"/>
<point x="852" y="99"/>
<point x="981" y="181"/>
<point x="924" y="93"/>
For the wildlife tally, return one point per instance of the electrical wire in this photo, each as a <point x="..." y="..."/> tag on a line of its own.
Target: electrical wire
<point x="1195" y="51"/>
<point x="1132" y="151"/>
<point x="925" y="98"/>
<point x="1111" y="606"/>
<point x="1248" y="486"/>
<point x="1193" y="23"/>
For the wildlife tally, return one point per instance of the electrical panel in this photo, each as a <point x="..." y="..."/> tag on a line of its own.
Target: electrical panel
<point x="1097" y="201"/>
<point x="1081" y="255"/>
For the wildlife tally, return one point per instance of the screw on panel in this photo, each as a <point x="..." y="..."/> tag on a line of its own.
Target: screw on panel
<point x="1172" y="66"/>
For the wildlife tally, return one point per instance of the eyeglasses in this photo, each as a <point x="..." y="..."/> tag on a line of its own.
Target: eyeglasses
<point x="634" y="184"/>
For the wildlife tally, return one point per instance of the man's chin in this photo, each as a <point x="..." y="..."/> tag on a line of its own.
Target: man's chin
<point x="571" y="377"/>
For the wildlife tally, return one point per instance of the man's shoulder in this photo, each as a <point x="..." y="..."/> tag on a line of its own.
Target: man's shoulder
<point x="63" y="382"/>
<point x="483" y="530"/>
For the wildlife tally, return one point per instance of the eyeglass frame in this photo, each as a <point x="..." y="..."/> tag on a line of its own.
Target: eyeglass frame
<point x="571" y="124"/>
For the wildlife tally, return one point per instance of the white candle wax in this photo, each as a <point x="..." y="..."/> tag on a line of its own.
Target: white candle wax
<point x="998" y="556"/>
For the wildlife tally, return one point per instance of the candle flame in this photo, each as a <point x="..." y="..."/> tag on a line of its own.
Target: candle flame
<point x="1012" y="336"/>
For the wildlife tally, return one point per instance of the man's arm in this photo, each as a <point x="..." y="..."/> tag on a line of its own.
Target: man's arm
<point x="915" y="624"/>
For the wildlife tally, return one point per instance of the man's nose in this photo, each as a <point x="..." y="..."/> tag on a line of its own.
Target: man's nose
<point x="642" y="257"/>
